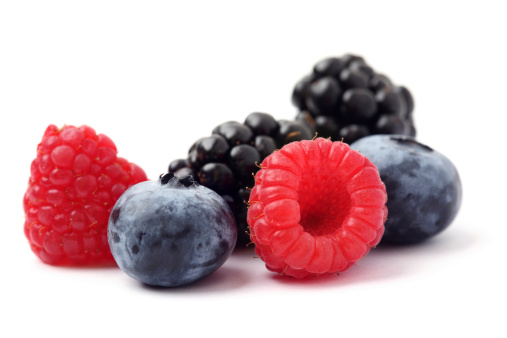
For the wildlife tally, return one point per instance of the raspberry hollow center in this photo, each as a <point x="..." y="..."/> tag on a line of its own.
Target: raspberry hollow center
<point x="323" y="200"/>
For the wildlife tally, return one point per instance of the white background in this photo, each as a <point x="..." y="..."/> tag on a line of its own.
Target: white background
<point x="157" y="75"/>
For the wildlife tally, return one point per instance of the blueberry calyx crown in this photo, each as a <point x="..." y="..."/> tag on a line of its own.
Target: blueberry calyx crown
<point x="186" y="181"/>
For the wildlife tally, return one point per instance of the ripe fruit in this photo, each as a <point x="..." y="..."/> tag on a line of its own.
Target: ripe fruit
<point x="345" y="98"/>
<point x="171" y="232"/>
<point x="75" y="180"/>
<point x="226" y="160"/>
<point x="423" y="186"/>
<point x="317" y="207"/>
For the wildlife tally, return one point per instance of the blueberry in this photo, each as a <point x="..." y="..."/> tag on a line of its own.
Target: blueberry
<point x="424" y="189"/>
<point x="171" y="232"/>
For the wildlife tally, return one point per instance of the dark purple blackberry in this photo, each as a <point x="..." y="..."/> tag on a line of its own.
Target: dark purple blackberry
<point x="226" y="160"/>
<point x="217" y="176"/>
<point x="327" y="127"/>
<point x="291" y="131"/>
<point x="345" y="98"/>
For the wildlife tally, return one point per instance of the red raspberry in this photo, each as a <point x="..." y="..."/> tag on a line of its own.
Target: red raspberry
<point x="75" y="181"/>
<point x="317" y="207"/>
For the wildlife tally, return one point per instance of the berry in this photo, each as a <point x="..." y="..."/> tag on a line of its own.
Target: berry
<point x="75" y="180"/>
<point x="317" y="207"/>
<point x="349" y="92"/>
<point x="424" y="187"/>
<point x="171" y="232"/>
<point x="226" y="161"/>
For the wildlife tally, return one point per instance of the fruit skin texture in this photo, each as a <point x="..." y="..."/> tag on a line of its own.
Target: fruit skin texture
<point x="171" y="232"/>
<point x="226" y="160"/>
<point x="423" y="186"/>
<point x="317" y="207"/>
<point x="75" y="180"/>
<point x="343" y="97"/>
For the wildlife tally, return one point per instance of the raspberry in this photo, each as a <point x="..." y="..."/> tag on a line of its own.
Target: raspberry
<point x="75" y="181"/>
<point x="317" y="207"/>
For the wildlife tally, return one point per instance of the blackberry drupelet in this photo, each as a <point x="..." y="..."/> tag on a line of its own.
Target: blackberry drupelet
<point x="226" y="160"/>
<point x="345" y="98"/>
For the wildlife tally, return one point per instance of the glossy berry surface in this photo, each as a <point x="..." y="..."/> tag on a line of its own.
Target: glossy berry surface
<point x="171" y="232"/>
<point x="75" y="180"/>
<point x="423" y="186"/>
<point x="348" y="91"/>
<point x="317" y="207"/>
<point x="226" y="160"/>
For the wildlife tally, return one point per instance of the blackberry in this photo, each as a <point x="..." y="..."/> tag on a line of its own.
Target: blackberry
<point x="227" y="160"/>
<point x="344" y="97"/>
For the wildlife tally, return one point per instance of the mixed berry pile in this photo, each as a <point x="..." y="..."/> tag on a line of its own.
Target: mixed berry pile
<point x="308" y="205"/>
<point x="226" y="160"/>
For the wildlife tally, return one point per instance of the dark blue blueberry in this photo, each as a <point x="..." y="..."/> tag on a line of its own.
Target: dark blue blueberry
<point x="423" y="187"/>
<point x="171" y="232"/>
